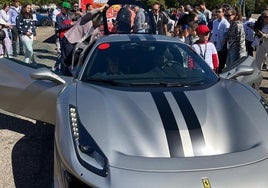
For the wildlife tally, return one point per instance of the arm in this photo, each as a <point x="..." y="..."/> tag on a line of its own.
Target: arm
<point x="4" y="15"/>
<point x="63" y="24"/>
<point x="92" y="14"/>
<point x="20" y="25"/>
<point x="215" y="58"/>
<point x="215" y="61"/>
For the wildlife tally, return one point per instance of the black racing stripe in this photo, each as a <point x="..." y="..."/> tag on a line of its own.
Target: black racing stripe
<point x="134" y="38"/>
<point x="193" y="124"/>
<point x="170" y="125"/>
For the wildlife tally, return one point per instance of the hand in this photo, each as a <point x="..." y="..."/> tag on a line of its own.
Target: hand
<point x="28" y="34"/>
<point x="259" y="33"/>
<point x="105" y="6"/>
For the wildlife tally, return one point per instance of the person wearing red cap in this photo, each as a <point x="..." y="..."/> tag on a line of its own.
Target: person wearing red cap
<point x="205" y="48"/>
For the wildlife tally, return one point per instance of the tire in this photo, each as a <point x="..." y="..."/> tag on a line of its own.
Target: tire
<point x="45" y="22"/>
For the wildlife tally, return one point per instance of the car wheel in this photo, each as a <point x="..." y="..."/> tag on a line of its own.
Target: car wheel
<point x="45" y="22"/>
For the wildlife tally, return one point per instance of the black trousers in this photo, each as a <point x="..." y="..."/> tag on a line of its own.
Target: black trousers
<point x="249" y="48"/>
<point x="222" y="60"/>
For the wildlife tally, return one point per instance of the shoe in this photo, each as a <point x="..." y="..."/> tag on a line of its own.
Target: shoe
<point x="22" y="53"/>
<point x="264" y="67"/>
<point x="34" y="65"/>
<point x="10" y="56"/>
<point x="1" y="56"/>
<point x="27" y="60"/>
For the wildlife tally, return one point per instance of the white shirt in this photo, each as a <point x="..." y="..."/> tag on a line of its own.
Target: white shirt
<point x="206" y="50"/>
<point x="219" y="30"/>
<point x="4" y="15"/>
<point x="55" y="12"/>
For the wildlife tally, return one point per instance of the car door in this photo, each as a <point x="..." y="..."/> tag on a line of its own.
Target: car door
<point x="20" y="94"/>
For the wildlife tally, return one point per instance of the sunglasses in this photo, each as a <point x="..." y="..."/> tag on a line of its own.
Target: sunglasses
<point x="227" y="15"/>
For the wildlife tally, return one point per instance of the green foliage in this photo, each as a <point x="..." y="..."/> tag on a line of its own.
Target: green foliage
<point x="255" y="6"/>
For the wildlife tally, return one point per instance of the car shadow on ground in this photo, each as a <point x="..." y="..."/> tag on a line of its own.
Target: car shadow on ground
<point x="51" y="39"/>
<point x="264" y="90"/>
<point x="47" y="57"/>
<point x="32" y="155"/>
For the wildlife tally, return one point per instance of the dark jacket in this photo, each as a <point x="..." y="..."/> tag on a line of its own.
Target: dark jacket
<point x="25" y="25"/>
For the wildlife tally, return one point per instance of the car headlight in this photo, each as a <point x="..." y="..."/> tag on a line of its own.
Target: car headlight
<point x="264" y="104"/>
<point x="87" y="151"/>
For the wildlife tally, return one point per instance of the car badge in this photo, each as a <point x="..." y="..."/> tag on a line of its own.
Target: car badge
<point x="206" y="183"/>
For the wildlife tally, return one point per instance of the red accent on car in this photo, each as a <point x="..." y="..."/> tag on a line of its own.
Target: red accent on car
<point x="104" y="46"/>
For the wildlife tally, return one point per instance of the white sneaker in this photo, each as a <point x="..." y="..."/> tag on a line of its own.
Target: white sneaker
<point x="1" y="56"/>
<point x="27" y="60"/>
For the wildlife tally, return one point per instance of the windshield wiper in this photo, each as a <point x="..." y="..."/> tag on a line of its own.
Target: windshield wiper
<point x="105" y="81"/>
<point x="165" y="84"/>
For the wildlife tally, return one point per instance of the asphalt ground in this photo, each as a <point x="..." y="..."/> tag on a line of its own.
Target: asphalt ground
<point x="26" y="146"/>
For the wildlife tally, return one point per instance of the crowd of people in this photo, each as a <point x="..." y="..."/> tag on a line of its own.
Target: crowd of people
<point x="18" y="25"/>
<point x="220" y="35"/>
<point x="232" y="36"/>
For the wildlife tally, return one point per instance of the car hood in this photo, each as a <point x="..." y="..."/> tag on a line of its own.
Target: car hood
<point x="176" y="123"/>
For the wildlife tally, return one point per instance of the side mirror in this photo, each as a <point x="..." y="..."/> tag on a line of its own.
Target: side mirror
<point x="46" y="74"/>
<point x="241" y="70"/>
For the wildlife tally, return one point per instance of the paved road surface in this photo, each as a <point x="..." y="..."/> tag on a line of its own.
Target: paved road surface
<point x="26" y="157"/>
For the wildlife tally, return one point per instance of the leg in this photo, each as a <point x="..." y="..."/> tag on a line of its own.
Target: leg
<point x="260" y="55"/>
<point x="15" y="36"/>
<point x="249" y="47"/>
<point x="222" y="60"/>
<point x="8" y="44"/>
<point x="27" y="43"/>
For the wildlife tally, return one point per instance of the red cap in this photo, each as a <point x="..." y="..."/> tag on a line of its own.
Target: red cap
<point x="202" y="30"/>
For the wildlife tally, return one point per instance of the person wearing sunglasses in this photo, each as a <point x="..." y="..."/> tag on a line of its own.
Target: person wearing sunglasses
<point x="160" y="20"/>
<point x="262" y="49"/>
<point x="75" y="12"/>
<point x="235" y="37"/>
<point x="220" y="27"/>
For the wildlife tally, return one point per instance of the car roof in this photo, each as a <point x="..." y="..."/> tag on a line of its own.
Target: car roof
<point x="135" y="38"/>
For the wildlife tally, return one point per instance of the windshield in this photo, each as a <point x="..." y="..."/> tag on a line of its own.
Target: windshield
<point x="147" y="63"/>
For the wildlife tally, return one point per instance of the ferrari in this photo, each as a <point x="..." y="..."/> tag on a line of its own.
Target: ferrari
<point x="144" y="110"/>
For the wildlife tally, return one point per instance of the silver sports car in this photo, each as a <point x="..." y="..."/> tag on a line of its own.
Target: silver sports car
<point x="145" y="110"/>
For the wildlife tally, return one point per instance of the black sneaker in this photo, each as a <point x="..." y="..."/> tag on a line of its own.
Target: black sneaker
<point x="264" y="67"/>
<point x="22" y="53"/>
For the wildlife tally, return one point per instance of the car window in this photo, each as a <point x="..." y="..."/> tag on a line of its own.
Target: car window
<point x="147" y="63"/>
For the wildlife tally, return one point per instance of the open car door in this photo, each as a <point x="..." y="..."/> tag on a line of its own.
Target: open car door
<point x="23" y="95"/>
